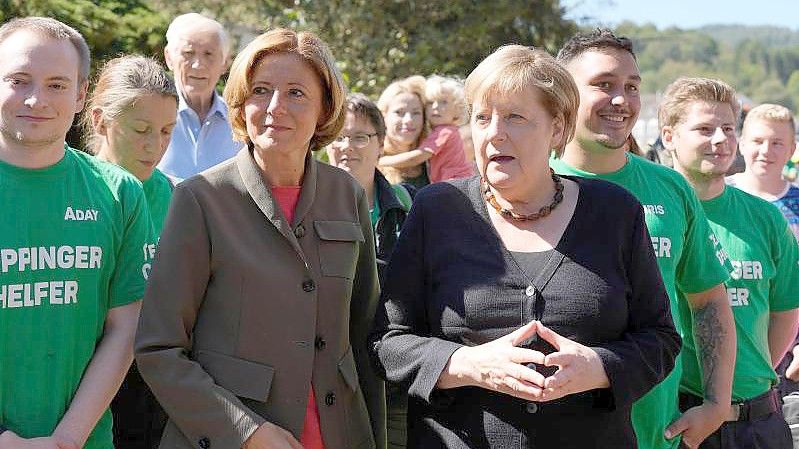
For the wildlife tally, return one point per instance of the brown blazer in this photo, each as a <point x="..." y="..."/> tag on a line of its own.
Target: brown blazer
<point x="242" y="308"/>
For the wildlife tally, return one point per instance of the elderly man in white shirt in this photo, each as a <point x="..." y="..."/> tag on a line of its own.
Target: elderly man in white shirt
<point x="198" y="53"/>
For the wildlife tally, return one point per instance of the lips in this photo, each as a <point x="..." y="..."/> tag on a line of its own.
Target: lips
<point x="501" y="158"/>
<point x="33" y="118"/>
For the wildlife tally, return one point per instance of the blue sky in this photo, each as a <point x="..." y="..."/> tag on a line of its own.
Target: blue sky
<point x="686" y="13"/>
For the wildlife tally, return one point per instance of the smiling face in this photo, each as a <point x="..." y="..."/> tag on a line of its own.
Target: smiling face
<point x="197" y="60"/>
<point x="703" y="142"/>
<point x="766" y="146"/>
<point x="359" y="162"/>
<point x="39" y="91"/>
<point x="137" y="139"/>
<point x="608" y="81"/>
<point x="284" y="104"/>
<point x="404" y="119"/>
<point x="513" y="138"/>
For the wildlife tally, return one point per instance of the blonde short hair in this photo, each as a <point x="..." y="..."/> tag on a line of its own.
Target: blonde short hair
<point x="684" y="91"/>
<point x="414" y="85"/>
<point x="513" y="68"/>
<point x="772" y="113"/>
<point x="450" y="89"/>
<point x="313" y="51"/>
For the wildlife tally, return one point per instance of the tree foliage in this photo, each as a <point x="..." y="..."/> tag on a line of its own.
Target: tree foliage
<point x="752" y="59"/>
<point x="378" y="41"/>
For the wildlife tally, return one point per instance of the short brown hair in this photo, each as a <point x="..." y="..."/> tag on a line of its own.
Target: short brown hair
<point x="313" y="51"/>
<point x="53" y="29"/>
<point x="513" y="68"/>
<point x="770" y="112"/>
<point x="600" y="39"/>
<point x="683" y="91"/>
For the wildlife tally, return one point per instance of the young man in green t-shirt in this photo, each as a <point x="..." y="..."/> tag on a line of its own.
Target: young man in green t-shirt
<point x="607" y="77"/>
<point x="75" y="237"/>
<point x="697" y="117"/>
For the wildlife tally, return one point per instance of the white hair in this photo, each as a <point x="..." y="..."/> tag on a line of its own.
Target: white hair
<point x="185" y="23"/>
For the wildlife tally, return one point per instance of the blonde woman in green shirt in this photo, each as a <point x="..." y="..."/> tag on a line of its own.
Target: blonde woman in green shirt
<point x="128" y="121"/>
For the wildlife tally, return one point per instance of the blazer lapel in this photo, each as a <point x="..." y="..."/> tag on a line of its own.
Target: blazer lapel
<point x="262" y="195"/>
<point x="308" y="191"/>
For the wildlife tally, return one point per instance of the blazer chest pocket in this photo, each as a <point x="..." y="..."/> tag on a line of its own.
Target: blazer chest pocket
<point x="241" y="377"/>
<point x="338" y="247"/>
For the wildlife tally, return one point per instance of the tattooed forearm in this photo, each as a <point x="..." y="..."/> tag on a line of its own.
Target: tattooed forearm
<point x="709" y="336"/>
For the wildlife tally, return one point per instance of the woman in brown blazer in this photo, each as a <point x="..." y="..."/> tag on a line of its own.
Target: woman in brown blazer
<point x="253" y="328"/>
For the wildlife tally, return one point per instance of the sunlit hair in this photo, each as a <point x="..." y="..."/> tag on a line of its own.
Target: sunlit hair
<point x="363" y="108"/>
<point x="450" y="89"/>
<point x="598" y="39"/>
<point x="684" y="91"/>
<point x="310" y="49"/>
<point x="771" y="113"/>
<point x="122" y="81"/>
<point x="52" y="29"/>
<point x="414" y="85"/>
<point x="184" y="24"/>
<point x="514" y="68"/>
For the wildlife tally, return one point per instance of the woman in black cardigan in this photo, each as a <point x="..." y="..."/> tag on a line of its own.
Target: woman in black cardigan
<point x="522" y="309"/>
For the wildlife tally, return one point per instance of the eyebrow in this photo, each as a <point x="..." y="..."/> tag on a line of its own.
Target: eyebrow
<point x="612" y="74"/>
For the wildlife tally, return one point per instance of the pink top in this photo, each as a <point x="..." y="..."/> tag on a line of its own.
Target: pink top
<point x="448" y="161"/>
<point x="311" y="437"/>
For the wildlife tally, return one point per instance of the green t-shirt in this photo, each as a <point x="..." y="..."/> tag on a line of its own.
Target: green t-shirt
<point x="764" y="256"/>
<point x="75" y="241"/>
<point x="688" y="261"/>
<point x="158" y="192"/>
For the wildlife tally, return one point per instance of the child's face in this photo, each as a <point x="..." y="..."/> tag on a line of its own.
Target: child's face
<point x="441" y="111"/>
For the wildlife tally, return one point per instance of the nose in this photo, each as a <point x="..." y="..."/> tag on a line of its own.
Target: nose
<point x="275" y="104"/>
<point x="34" y="96"/>
<point x="718" y="136"/>
<point x="495" y="132"/>
<point x="618" y="99"/>
<point x="196" y="62"/>
<point x="407" y="117"/>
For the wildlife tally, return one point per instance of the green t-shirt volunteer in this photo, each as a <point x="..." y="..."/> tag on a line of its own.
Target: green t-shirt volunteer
<point x="75" y="241"/>
<point x="158" y="192"/>
<point x="764" y="256"/>
<point x="688" y="259"/>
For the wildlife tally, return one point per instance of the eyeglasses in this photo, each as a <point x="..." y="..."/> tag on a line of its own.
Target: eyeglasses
<point x="360" y="140"/>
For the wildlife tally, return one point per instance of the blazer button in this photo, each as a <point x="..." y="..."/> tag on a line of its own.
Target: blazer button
<point x="320" y="343"/>
<point x="309" y="285"/>
<point x="330" y="399"/>
<point x="299" y="231"/>
<point x="204" y="443"/>
<point x="531" y="407"/>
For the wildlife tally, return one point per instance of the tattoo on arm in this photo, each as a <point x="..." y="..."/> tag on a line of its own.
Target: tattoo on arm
<point x="709" y="336"/>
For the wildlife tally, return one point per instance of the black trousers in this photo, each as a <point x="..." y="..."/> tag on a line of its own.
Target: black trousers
<point x="139" y="419"/>
<point x="768" y="432"/>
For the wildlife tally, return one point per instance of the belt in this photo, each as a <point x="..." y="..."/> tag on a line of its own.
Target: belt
<point x="749" y="410"/>
<point x="755" y="408"/>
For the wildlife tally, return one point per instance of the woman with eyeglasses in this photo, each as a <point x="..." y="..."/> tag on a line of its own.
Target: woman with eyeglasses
<point x="356" y="151"/>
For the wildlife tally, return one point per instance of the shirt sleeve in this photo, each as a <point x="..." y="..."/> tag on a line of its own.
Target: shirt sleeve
<point x="703" y="263"/>
<point x="646" y="353"/>
<point x="783" y="295"/>
<point x="135" y="250"/>
<point x="402" y="348"/>
<point x="435" y="141"/>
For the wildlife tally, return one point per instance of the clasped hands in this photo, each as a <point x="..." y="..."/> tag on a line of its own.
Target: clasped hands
<point x="501" y="365"/>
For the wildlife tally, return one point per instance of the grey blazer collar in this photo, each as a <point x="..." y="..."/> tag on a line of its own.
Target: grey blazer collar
<point x="262" y="195"/>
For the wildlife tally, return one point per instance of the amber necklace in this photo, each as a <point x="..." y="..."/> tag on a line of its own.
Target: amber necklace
<point x="543" y="212"/>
